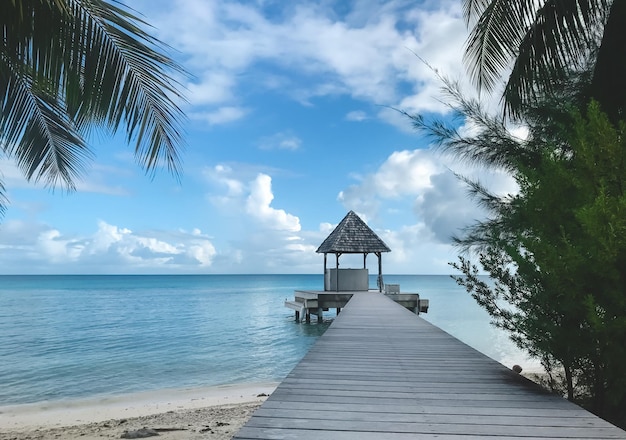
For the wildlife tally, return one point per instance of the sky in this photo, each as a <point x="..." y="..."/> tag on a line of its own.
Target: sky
<point x="291" y="123"/>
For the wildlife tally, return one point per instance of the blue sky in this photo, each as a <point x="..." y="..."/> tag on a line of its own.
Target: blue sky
<point x="289" y="127"/>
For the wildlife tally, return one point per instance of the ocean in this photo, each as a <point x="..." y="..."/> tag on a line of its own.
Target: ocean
<point x="74" y="337"/>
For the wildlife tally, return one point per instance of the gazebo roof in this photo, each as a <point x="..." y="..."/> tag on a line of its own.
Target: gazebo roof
<point x="352" y="236"/>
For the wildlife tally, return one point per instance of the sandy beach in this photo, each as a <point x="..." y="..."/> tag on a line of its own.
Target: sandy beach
<point x="207" y="413"/>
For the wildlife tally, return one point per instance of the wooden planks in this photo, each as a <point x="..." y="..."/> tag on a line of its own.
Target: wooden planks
<point x="381" y="372"/>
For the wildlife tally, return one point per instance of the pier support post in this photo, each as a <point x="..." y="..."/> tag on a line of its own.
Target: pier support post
<point x="319" y="314"/>
<point x="297" y="316"/>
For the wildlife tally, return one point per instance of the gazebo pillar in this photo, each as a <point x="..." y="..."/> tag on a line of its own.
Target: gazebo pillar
<point x="337" y="277"/>
<point x="380" y="271"/>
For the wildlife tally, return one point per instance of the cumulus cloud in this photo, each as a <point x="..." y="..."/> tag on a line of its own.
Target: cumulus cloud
<point x="253" y="198"/>
<point x="404" y="173"/>
<point x="427" y="179"/>
<point x="213" y="88"/>
<point x="258" y="206"/>
<point x="420" y="240"/>
<point x="267" y="238"/>
<point x="36" y="248"/>
<point x="366" y="51"/>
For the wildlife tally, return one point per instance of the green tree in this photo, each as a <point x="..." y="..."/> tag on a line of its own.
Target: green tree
<point x="555" y="251"/>
<point x="69" y="66"/>
<point x="543" y="42"/>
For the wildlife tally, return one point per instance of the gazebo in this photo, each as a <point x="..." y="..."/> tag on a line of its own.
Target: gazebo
<point x="352" y="236"/>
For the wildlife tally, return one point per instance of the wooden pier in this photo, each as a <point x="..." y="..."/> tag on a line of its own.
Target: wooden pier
<point x="381" y="372"/>
<point x="316" y="302"/>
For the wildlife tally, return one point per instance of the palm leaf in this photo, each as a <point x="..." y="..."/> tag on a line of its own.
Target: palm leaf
<point x="128" y="83"/>
<point x="37" y="134"/>
<point x="68" y="66"/>
<point x="494" y="38"/>
<point x="3" y="197"/>
<point x="557" y="43"/>
<point x="544" y="39"/>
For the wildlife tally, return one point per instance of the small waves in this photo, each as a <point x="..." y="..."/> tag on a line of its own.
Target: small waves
<point x="68" y="337"/>
<point x="77" y="337"/>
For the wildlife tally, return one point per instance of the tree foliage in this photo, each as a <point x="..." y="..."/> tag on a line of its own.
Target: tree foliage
<point x="69" y="66"/>
<point x="555" y="251"/>
<point x="542" y="42"/>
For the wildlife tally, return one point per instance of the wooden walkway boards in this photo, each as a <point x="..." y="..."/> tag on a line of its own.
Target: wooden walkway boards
<point x="381" y="372"/>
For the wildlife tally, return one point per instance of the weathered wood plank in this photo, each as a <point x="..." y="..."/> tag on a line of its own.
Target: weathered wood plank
<point x="412" y="417"/>
<point x="313" y="433"/>
<point x="418" y="427"/>
<point x="561" y="415"/>
<point x="380" y="372"/>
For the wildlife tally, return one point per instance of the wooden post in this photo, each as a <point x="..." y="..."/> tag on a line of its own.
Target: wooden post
<point x="380" y="271"/>
<point x="297" y="316"/>
<point x="337" y="277"/>
<point x="319" y="314"/>
<point x="325" y="255"/>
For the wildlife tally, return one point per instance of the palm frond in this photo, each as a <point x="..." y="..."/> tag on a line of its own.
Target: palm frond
<point x="494" y="39"/>
<point x="36" y="132"/>
<point x="127" y="81"/>
<point x="67" y="66"/>
<point x="4" y="201"/>
<point x="558" y="42"/>
<point x="544" y="38"/>
<point x="472" y="9"/>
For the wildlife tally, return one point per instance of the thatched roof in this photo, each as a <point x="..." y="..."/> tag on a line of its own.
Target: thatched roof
<point x="352" y="236"/>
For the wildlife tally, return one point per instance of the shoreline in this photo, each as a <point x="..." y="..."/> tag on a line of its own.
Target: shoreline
<point x="179" y="413"/>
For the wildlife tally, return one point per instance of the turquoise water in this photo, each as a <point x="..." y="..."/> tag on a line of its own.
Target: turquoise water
<point x="66" y="337"/>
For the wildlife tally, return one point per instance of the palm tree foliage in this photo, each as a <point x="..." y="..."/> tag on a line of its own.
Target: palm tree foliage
<point x="68" y="66"/>
<point x="543" y="41"/>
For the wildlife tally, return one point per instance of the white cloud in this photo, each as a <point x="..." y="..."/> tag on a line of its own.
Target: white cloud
<point x="263" y="237"/>
<point x="258" y="206"/>
<point x="213" y="88"/>
<point x="37" y="248"/>
<point x="221" y="174"/>
<point x="356" y="116"/>
<point x="280" y="141"/>
<point x="11" y="174"/>
<point x="441" y="203"/>
<point x="93" y="181"/>
<point x="414" y="250"/>
<point x="404" y="173"/>
<point x="252" y="196"/>
<point x="368" y="53"/>
<point x="222" y="115"/>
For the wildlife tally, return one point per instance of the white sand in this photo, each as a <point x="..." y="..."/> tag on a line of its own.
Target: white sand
<point x="208" y="413"/>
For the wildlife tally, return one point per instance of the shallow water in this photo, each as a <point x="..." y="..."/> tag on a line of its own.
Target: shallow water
<point x="79" y="336"/>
